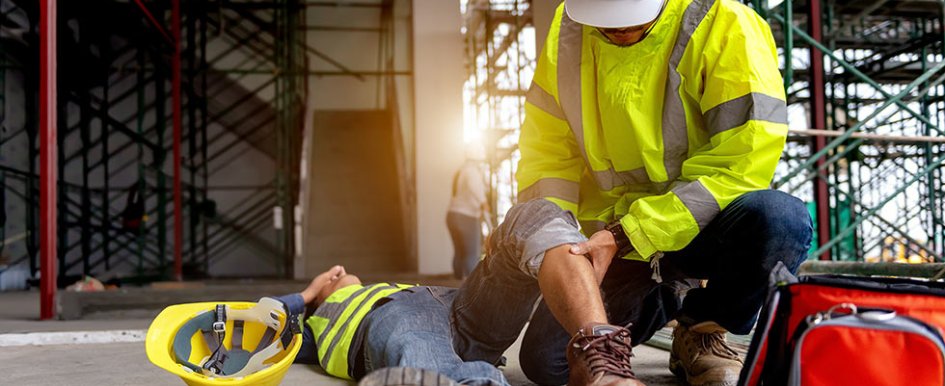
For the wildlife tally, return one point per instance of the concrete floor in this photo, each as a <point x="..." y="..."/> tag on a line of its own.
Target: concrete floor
<point x="126" y="363"/>
<point x="20" y="314"/>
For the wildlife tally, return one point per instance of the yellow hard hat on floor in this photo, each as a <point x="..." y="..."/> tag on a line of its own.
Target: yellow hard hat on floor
<point x="206" y="343"/>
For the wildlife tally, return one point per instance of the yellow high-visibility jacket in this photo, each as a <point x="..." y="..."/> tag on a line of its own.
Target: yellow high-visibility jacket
<point x="662" y="134"/>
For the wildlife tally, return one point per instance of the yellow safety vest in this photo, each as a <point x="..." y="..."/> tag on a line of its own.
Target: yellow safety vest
<point x="662" y="134"/>
<point x="335" y="322"/>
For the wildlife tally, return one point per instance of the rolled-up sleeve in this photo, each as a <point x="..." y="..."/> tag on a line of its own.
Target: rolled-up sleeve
<point x="530" y="229"/>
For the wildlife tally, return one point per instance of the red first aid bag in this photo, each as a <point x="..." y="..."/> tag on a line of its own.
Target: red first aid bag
<point x="841" y="330"/>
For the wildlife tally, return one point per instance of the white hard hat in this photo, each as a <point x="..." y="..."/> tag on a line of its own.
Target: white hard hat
<point x="613" y="13"/>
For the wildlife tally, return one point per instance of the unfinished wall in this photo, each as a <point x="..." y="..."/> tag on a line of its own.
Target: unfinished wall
<point x="355" y="217"/>
<point x="348" y="114"/>
<point x="438" y="61"/>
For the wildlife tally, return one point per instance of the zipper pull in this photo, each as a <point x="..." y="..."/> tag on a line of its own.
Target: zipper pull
<point x="655" y="265"/>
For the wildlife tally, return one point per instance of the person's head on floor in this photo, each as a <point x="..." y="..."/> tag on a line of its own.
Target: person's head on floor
<point x="326" y="283"/>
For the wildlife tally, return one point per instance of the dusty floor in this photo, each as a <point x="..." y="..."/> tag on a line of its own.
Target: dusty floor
<point x="125" y="363"/>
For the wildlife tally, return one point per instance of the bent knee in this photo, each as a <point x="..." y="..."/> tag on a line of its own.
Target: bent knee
<point x="776" y="212"/>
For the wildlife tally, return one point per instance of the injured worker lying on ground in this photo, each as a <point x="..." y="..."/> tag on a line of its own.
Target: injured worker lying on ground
<point x="402" y="331"/>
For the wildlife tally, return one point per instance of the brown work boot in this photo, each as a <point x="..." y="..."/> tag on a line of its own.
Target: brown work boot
<point x="702" y="357"/>
<point x="599" y="355"/>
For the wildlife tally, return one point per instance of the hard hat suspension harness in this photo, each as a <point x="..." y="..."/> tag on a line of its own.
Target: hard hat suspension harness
<point x="236" y="361"/>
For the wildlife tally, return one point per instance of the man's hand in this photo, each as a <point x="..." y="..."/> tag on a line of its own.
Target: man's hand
<point x="320" y="281"/>
<point x="600" y="249"/>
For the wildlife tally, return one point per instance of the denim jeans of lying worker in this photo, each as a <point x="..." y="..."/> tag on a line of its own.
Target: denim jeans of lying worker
<point x="414" y="330"/>
<point x="735" y="252"/>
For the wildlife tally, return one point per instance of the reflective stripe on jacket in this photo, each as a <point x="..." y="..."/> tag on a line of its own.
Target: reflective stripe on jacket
<point x="335" y="322"/>
<point x="662" y="134"/>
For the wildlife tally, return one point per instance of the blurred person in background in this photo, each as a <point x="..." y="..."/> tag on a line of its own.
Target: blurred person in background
<point x="469" y="207"/>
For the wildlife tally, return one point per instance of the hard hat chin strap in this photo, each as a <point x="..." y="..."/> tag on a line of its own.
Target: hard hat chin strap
<point x="214" y="364"/>
<point x="293" y="327"/>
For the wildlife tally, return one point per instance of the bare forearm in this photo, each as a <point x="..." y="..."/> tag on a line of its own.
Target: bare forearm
<point x="308" y="296"/>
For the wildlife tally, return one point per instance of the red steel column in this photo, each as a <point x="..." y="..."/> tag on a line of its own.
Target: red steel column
<point x="176" y="101"/>
<point x="48" y="154"/>
<point x="818" y="122"/>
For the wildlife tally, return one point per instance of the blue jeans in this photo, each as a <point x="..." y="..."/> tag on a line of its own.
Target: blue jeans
<point x="410" y="328"/>
<point x="414" y="330"/>
<point x="735" y="252"/>
<point x="467" y="242"/>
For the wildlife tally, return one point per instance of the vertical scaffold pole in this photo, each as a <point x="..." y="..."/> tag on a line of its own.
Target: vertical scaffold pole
<point x="818" y="121"/>
<point x="47" y="158"/>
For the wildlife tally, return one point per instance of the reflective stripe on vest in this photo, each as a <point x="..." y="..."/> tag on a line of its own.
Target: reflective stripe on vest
<point x="700" y="202"/>
<point x="738" y="111"/>
<point x="335" y="322"/>
<point x="675" y="132"/>
<point x="551" y="187"/>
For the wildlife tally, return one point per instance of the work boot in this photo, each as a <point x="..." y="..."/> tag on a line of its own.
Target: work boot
<point x="406" y="376"/>
<point x="599" y="355"/>
<point x="702" y="357"/>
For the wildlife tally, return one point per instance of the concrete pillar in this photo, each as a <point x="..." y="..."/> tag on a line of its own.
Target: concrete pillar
<point x="438" y="77"/>
<point x="543" y="11"/>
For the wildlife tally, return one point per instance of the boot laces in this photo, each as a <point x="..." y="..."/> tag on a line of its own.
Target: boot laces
<point x="714" y="343"/>
<point x="609" y="353"/>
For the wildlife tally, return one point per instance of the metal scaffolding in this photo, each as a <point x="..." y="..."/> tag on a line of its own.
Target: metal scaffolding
<point x="500" y="61"/>
<point x="154" y="98"/>
<point x="869" y="157"/>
